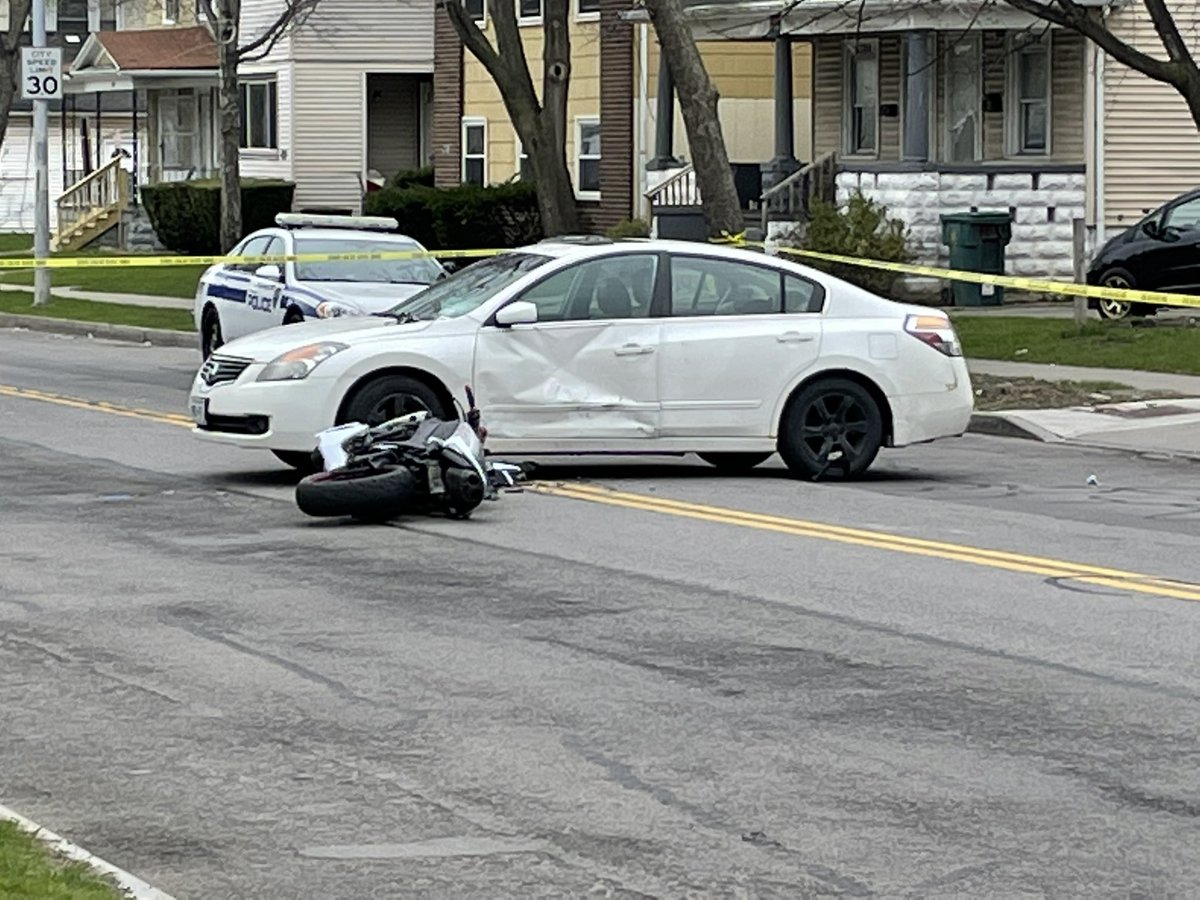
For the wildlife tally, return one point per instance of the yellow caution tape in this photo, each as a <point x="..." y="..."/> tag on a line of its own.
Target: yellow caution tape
<point x="1035" y="285"/>
<point x="134" y="262"/>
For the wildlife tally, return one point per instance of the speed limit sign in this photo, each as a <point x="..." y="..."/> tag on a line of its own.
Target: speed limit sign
<point x="41" y="73"/>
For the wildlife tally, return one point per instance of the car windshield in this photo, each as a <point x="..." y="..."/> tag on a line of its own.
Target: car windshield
<point x="414" y="270"/>
<point x="469" y="288"/>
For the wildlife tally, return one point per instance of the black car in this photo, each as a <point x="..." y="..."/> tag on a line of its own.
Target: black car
<point x="1159" y="253"/>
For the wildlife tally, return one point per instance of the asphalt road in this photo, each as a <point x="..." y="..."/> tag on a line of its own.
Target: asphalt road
<point x="973" y="674"/>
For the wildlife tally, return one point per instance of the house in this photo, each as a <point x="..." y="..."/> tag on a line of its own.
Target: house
<point x="616" y="150"/>
<point x="346" y="93"/>
<point x="966" y="105"/>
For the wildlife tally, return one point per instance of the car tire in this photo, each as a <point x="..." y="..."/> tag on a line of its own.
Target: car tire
<point x="390" y="396"/>
<point x="831" y="416"/>
<point x="299" y="460"/>
<point x="1115" y="310"/>
<point x="734" y="462"/>
<point x="373" y="495"/>
<point x="211" y="338"/>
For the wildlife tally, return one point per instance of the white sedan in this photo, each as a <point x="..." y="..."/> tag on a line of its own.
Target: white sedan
<point x="236" y="299"/>
<point x="627" y="347"/>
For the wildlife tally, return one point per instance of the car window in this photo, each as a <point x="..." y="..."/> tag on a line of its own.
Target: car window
<point x="1184" y="217"/>
<point x="801" y="295"/>
<point x="413" y="270"/>
<point x="612" y="287"/>
<point x="719" y="287"/>
<point x="256" y="246"/>
<point x="468" y="288"/>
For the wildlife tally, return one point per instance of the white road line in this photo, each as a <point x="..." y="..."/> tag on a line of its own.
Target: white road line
<point x="131" y="884"/>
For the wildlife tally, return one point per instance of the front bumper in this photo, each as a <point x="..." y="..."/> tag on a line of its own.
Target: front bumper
<point x="273" y="415"/>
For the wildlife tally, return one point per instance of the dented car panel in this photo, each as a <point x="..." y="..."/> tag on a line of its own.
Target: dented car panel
<point x="570" y="380"/>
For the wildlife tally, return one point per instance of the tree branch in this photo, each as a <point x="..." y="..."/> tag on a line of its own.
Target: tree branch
<point x="294" y="13"/>
<point x="1068" y="14"/>
<point x="18" y="12"/>
<point x="1168" y="33"/>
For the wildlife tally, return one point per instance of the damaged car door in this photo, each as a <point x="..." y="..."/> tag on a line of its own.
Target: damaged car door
<point x="587" y="369"/>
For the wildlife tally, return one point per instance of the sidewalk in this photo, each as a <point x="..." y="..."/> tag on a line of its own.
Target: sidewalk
<point x="1156" y="427"/>
<point x="70" y="293"/>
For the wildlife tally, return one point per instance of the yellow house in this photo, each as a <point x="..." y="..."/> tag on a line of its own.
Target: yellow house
<point x="612" y="108"/>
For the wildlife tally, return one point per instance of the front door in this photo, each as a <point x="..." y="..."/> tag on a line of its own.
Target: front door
<point x="736" y="336"/>
<point x="178" y="138"/>
<point x="587" y="370"/>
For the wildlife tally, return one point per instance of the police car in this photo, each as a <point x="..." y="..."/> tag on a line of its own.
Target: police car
<point x="234" y="299"/>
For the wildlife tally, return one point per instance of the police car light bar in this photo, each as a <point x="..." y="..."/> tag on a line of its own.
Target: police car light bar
<point x="358" y="223"/>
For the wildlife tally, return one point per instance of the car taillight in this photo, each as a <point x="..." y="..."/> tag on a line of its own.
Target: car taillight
<point x="936" y="331"/>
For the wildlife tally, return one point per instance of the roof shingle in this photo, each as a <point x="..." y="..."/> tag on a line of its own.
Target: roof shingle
<point x="161" y="48"/>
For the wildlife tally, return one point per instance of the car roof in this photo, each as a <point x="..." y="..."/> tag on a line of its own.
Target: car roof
<point x="348" y="234"/>
<point x="582" y="248"/>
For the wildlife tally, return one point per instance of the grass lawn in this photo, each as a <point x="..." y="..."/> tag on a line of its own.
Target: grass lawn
<point x="29" y="870"/>
<point x="163" y="281"/>
<point x="1162" y="348"/>
<point x="91" y="311"/>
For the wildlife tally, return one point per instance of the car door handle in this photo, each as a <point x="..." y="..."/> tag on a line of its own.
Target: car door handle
<point x="633" y="350"/>
<point x="794" y="337"/>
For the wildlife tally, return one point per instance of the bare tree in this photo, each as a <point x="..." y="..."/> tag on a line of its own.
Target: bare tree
<point x="698" y="99"/>
<point x="541" y="124"/>
<point x="1178" y="69"/>
<point x="224" y="18"/>
<point x="10" y="59"/>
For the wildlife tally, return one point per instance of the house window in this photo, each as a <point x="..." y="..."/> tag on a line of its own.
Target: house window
<point x="529" y="10"/>
<point x="964" y="98"/>
<point x="260" y="110"/>
<point x="474" y="151"/>
<point x="1029" y="88"/>
<point x="588" y="8"/>
<point x="170" y="12"/>
<point x="587" y="157"/>
<point x="862" y="97"/>
<point x="924" y="75"/>
<point x="524" y="169"/>
<point x="477" y="9"/>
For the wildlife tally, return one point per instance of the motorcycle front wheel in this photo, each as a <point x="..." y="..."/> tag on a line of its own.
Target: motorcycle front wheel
<point x="372" y="495"/>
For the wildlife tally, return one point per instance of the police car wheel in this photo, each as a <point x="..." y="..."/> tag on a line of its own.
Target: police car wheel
<point x="210" y="333"/>
<point x="293" y="317"/>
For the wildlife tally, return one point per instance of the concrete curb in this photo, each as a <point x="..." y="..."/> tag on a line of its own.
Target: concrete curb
<point x="131" y="333"/>
<point x="1000" y="424"/>
<point x="133" y="886"/>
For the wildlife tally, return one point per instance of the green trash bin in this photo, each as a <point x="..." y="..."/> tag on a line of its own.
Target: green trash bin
<point x="977" y="241"/>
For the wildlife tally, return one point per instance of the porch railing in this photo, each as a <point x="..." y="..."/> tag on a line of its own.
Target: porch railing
<point x="678" y="190"/>
<point x="789" y="200"/>
<point x="98" y="197"/>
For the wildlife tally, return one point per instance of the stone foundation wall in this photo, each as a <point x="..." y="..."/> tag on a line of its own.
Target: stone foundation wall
<point x="1043" y="205"/>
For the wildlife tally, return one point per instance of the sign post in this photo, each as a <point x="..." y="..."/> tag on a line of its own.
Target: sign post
<point x="41" y="82"/>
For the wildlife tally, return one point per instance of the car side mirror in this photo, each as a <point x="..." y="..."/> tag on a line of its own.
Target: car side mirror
<point x="450" y="266"/>
<point x="270" y="271"/>
<point x="522" y="312"/>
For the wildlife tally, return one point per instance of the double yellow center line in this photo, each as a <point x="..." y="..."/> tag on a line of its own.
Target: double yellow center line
<point x="880" y="540"/>
<point x="1116" y="579"/>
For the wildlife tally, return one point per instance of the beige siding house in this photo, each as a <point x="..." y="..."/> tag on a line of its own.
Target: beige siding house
<point x="342" y="99"/>
<point x="1150" y="144"/>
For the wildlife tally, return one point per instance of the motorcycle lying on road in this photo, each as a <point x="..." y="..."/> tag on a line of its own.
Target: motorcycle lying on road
<point x="414" y="463"/>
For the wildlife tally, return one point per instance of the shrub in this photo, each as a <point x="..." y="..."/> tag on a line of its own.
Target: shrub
<point x="186" y="215"/>
<point x="422" y="177"/>
<point x="629" y="228"/>
<point x="463" y="217"/>
<point x="862" y="229"/>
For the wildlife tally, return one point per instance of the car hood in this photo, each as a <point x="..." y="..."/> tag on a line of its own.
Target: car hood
<point x="266" y="345"/>
<point x="370" y="297"/>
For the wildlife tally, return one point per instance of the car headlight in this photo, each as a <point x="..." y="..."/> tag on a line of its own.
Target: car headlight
<point x="331" y="309"/>
<point x="298" y="363"/>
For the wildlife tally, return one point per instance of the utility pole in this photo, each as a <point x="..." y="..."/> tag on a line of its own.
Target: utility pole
<point x="41" y="82"/>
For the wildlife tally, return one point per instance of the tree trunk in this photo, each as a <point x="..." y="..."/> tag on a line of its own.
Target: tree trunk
<point x="229" y="125"/>
<point x="541" y="126"/>
<point x="10" y="60"/>
<point x="698" y="104"/>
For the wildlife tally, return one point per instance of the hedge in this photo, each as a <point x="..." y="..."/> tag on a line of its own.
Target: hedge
<point x="463" y="217"/>
<point x="186" y="215"/>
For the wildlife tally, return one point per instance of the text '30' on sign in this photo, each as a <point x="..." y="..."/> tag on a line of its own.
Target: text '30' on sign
<point x="41" y="73"/>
